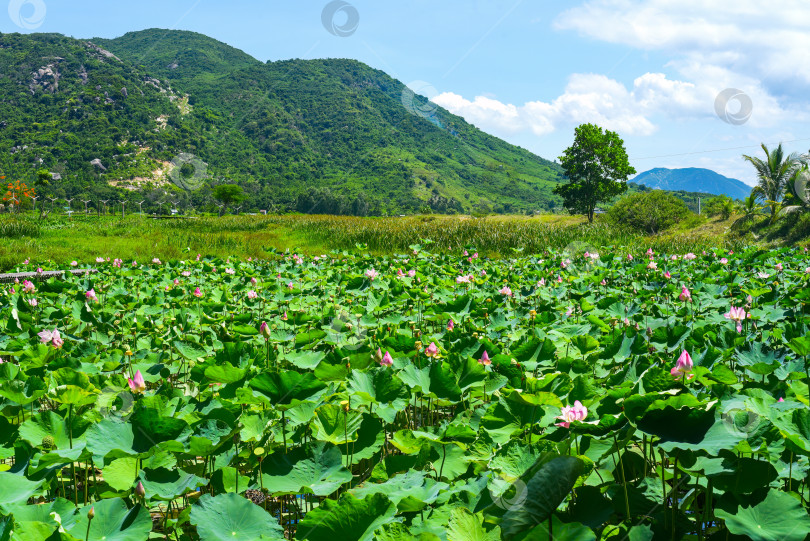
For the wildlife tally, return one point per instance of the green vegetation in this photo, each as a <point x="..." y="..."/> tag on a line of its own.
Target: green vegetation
<point x="303" y="135"/>
<point x="596" y="167"/>
<point x="429" y="395"/>
<point x="650" y="212"/>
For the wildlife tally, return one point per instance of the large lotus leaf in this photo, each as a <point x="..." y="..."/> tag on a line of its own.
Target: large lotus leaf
<point x="311" y="469"/>
<point x="224" y="373"/>
<point x="23" y="392"/>
<point x="168" y="484"/>
<point x="776" y="517"/>
<point x="37" y="522"/>
<point x="16" y="488"/>
<point x="232" y="517"/>
<point x="378" y="385"/>
<point x="49" y="423"/>
<point x="287" y="388"/>
<point x="114" y="438"/>
<point x="334" y="425"/>
<point x="73" y="394"/>
<point x="113" y="522"/>
<point x="348" y="519"/>
<point x="545" y="492"/>
<point x="190" y="351"/>
<point x="560" y="531"/>
<point x="465" y="526"/>
<point x="121" y="473"/>
<point x="369" y="441"/>
<point x="516" y="457"/>
<point x="411" y="491"/>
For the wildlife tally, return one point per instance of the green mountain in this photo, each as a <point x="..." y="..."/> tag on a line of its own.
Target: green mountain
<point x="693" y="179"/>
<point x="163" y="115"/>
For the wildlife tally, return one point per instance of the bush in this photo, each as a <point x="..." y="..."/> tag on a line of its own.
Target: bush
<point x="650" y="212"/>
<point x="721" y="205"/>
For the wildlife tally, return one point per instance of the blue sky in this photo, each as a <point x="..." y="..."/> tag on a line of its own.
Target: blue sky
<point x="529" y="71"/>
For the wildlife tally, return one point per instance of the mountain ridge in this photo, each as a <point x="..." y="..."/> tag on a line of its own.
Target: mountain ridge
<point x="693" y="179"/>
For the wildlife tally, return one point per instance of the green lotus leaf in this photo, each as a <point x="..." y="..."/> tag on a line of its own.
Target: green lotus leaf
<point x="113" y="522"/>
<point x="232" y="517"/>
<point x="348" y="519"/>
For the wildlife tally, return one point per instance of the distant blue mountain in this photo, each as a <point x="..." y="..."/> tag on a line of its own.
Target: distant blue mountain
<point x="693" y="179"/>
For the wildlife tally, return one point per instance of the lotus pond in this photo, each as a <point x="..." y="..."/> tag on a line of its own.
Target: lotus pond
<point x="433" y="395"/>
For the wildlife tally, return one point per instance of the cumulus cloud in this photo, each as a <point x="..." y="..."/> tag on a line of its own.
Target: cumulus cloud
<point x="760" y="40"/>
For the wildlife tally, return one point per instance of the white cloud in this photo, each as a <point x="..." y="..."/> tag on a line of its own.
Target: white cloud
<point x="762" y="40"/>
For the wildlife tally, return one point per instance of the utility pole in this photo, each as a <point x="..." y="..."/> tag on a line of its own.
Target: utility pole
<point x="699" y="209"/>
<point x="85" y="205"/>
<point x="140" y="207"/>
<point x="104" y="202"/>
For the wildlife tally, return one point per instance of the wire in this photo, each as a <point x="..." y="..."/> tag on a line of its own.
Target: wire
<point x="716" y="150"/>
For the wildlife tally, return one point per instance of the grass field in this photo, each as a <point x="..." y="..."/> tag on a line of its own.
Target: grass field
<point x="61" y="241"/>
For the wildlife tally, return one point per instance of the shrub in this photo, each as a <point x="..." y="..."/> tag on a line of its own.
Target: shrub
<point x="650" y="212"/>
<point x="721" y="205"/>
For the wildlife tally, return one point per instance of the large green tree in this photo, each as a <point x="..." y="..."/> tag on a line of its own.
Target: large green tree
<point x="775" y="174"/>
<point x="228" y="194"/>
<point x="596" y="167"/>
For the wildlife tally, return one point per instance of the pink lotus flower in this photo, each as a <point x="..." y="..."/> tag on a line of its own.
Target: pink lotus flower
<point x="400" y="274"/>
<point x="484" y="360"/>
<point x="569" y="414"/>
<point x="475" y="255"/>
<point x="284" y="317"/>
<point x="386" y="360"/>
<point x="432" y="350"/>
<point x="252" y="294"/>
<point x="505" y="290"/>
<point x="542" y="282"/>
<point x="134" y="263"/>
<point x="685" y="295"/>
<point x="156" y="261"/>
<point x="139" y="490"/>
<point x="763" y="275"/>
<point x="690" y="256"/>
<point x="738" y="315"/>
<point x="230" y="271"/>
<point x="197" y="292"/>
<point x="28" y="286"/>
<point x="254" y="281"/>
<point x="723" y="260"/>
<point x="463" y="279"/>
<point x="99" y="260"/>
<point x="650" y="252"/>
<point x="450" y="325"/>
<point x="667" y="275"/>
<point x="176" y="282"/>
<point x="483" y="272"/>
<point x="603" y="283"/>
<point x="652" y="265"/>
<point x="371" y="274"/>
<point x="33" y="302"/>
<point x="807" y="270"/>
<point x="629" y="257"/>
<point x="559" y="279"/>
<point x="465" y="254"/>
<point x="290" y="285"/>
<point x="26" y="262"/>
<point x="411" y="273"/>
<point x="264" y="330"/>
<point x="186" y="273"/>
<point x="51" y="336"/>
<point x="137" y="384"/>
<point x="780" y="398"/>
<point x="779" y="267"/>
<point x="90" y="295"/>
<point x="683" y="367"/>
<point x="74" y="263"/>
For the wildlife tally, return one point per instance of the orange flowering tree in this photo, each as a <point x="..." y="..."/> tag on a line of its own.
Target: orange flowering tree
<point x="15" y="191"/>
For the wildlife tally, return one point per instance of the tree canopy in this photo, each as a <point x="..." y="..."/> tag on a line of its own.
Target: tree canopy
<point x="596" y="167"/>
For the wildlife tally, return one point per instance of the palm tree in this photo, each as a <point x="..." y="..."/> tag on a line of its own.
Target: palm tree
<point x="750" y="208"/>
<point x="775" y="173"/>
